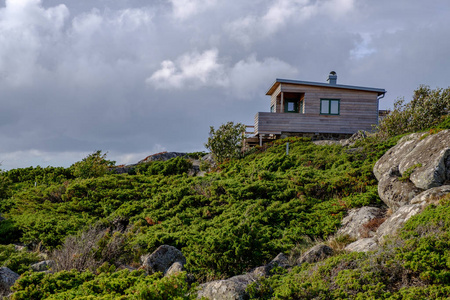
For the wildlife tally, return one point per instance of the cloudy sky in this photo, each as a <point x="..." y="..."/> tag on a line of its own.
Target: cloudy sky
<point x="135" y="77"/>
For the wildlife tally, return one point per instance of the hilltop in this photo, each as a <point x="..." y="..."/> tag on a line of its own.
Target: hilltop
<point x="262" y="212"/>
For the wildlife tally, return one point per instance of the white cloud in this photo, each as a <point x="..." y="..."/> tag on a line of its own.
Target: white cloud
<point x="27" y="32"/>
<point x="191" y="70"/>
<point x="251" y="28"/>
<point x="184" y="9"/>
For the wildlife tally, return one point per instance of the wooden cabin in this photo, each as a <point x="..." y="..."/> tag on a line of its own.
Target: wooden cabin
<point x="317" y="110"/>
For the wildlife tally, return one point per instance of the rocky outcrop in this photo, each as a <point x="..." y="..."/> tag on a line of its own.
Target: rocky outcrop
<point x="229" y="289"/>
<point x="7" y="280"/>
<point x="42" y="266"/>
<point x="353" y="223"/>
<point x="162" y="156"/>
<point x="360" y="135"/>
<point x="162" y="259"/>
<point x="315" y="254"/>
<point x="411" y="175"/>
<point x="363" y="245"/>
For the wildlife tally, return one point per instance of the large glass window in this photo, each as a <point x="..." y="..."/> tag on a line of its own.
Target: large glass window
<point x="329" y="106"/>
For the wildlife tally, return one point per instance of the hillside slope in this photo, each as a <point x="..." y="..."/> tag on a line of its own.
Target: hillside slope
<point x="228" y="222"/>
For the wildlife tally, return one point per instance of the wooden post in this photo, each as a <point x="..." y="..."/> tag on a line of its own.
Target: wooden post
<point x="287" y="148"/>
<point x="282" y="102"/>
<point x="260" y="140"/>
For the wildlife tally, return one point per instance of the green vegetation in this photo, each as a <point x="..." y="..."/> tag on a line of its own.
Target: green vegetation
<point x="239" y="216"/>
<point x="226" y="142"/>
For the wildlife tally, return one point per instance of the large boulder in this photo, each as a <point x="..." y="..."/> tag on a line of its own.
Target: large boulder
<point x="229" y="289"/>
<point x="353" y="223"/>
<point x="315" y="254"/>
<point x="394" y="156"/>
<point x="162" y="258"/>
<point x="429" y="161"/>
<point x="362" y="245"/>
<point x="395" y="192"/>
<point x="7" y="280"/>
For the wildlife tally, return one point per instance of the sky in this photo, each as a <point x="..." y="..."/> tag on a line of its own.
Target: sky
<point x="135" y="77"/>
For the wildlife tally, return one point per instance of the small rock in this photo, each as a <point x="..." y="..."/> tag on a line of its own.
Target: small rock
<point x="315" y="254"/>
<point x="432" y="195"/>
<point x="175" y="268"/>
<point x="43" y="266"/>
<point x="7" y="279"/>
<point x="162" y="258"/>
<point x="281" y="260"/>
<point x="356" y="218"/>
<point x="362" y="245"/>
<point x="360" y="135"/>
<point x="229" y="289"/>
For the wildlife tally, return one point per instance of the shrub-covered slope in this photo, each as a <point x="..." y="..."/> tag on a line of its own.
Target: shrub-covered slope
<point x="235" y="218"/>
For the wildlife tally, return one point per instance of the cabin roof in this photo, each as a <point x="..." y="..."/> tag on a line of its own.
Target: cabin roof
<point x="278" y="81"/>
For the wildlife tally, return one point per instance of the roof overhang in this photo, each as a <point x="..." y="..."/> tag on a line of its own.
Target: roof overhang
<point x="279" y="81"/>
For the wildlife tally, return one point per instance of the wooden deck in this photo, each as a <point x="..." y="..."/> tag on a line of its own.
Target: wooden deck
<point x="277" y="123"/>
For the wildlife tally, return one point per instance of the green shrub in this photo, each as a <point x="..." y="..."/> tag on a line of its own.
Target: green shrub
<point x="17" y="260"/>
<point x="426" y="110"/>
<point x="108" y="284"/>
<point x="93" y="165"/>
<point x="226" y="142"/>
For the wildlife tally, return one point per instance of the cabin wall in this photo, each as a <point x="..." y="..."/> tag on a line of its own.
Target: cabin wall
<point x="358" y="111"/>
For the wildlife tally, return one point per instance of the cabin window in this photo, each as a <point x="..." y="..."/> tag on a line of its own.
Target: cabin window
<point x="302" y="107"/>
<point x="291" y="106"/>
<point x="330" y="106"/>
<point x="272" y="108"/>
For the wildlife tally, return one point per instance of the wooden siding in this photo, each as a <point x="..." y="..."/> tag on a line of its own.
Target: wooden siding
<point x="358" y="111"/>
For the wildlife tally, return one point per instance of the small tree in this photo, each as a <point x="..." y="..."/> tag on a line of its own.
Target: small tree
<point x="226" y="142"/>
<point x="93" y="165"/>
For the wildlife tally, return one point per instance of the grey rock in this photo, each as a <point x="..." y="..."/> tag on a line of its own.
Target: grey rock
<point x="360" y="135"/>
<point x="7" y="279"/>
<point x="315" y="254"/>
<point x="353" y="223"/>
<point x="433" y="155"/>
<point x="175" y="268"/>
<point x="281" y="260"/>
<point x="229" y="289"/>
<point x="394" y="156"/>
<point x="398" y="219"/>
<point x="394" y="192"/>
<point x="162" y="258"/>
<point x="43" y="266"/>
<point x="362" y="245"/>
<point x="432" y="196"/>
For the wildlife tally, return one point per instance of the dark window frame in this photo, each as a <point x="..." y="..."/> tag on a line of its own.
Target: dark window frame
<point x="296" y="106"/>
<point x="329" y="106"/>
